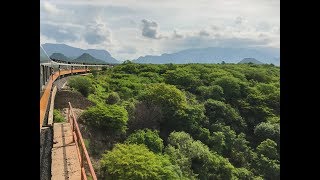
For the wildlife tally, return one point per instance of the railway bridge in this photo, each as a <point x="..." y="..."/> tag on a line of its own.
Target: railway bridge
<point x="63" y="154"/>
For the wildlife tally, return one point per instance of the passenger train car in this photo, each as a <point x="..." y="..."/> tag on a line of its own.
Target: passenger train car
<point x="62" y="68"/>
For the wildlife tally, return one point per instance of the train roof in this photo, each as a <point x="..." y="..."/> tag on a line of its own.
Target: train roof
<point x="66" y="64"/>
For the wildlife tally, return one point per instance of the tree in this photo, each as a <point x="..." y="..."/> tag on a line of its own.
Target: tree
<point x="270" y="169"/>
<point x="266" y="130"/>
<point x="268" y="148"/>
<point x="196" y="160"/>
<point x="267" y="162"/>
<point x="183" y="79"/>
<point x="241" y="153"/>
<point x="113" y="98"/>
<point x="161" y="104"/>
<point x="153" y="77"/>
<point x="219" y="112"/>
<point x="210" y="92"/>
<point x="129" y="68"/>
<point x="164" y="95"/>
<point x="273" y="120"/>
<point x="219" y="144"/>
<point x="255" y="110"/>
<point x="127" y="62"/>
<point x="145" y="116"/>
<point x="257" y="75"/>
<point x="111" y="118"/>
<point x="243" y="173"/>
<point x="271" y="96"/>
<point x="235" y="147"/>
<point x="231" y="87"/>
<point x="133" y="161"/>
<point x="266" y="88"/>
<point x="81" y="84"/>
<point x="147" y="137"/>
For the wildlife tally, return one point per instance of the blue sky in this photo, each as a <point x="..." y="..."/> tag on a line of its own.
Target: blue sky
<point x="132" y="28"/>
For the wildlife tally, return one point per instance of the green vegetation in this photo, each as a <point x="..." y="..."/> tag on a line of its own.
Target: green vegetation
<point x="192" y="121"/>
<point x="132" y="161"/>
<point x="82" y="84"/>
<point x="57" y="117"/>
<point x="147" y="137"/>
<point x="87" y="143"/>
<point x="111" y="118"/>
<point x="113" y="98"/>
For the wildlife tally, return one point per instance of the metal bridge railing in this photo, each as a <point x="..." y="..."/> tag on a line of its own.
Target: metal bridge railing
<point x="82" y="151"/>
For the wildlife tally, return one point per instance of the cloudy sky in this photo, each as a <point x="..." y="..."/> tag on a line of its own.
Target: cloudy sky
<point x="132" y="28"/>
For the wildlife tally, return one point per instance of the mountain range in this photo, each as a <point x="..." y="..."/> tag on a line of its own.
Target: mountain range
<point x="87" y="58"/>
<point x="195" y="55"/>
<point x="214" y="55"/>
<point x="73" y="52"/>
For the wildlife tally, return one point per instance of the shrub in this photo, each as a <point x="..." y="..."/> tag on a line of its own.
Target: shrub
<point x="81" y="84"/>
<point x="113" y="98"/>
<point x="94" y="72"/>
<point x="147" y="137"/>
<point x="57" y="117"/>
<point x="220" y="112"/>
<point x="111" y="118"/>
<point x="104" y="68"/>
<point x="132" y="161"/>
<point x="266" y="130"/>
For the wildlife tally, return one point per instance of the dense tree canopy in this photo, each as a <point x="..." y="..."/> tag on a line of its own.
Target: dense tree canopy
<point x="132" y="161"/>
<point x="168" y="97"/>
<point x="200" y="121"/>
<point x="112" y="118"/>
<point x="195" y="158"/>
<point x="220" y="112"/>
<point x="268" y="149"/>
<point x="147" y="137"/>
<point x="113" y="98"/>
<point x="81" y="84"/>
<point x="267" y="130"/>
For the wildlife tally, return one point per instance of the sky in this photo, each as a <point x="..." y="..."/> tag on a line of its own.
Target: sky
<point x="128" y="29"/>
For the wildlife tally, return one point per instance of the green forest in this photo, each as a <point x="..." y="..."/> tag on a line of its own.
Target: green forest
<point x="188" y="121"/>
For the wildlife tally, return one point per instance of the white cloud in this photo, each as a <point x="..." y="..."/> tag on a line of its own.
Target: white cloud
<point x="177" y="35"/>
<point x="240" y="20"/>
<point x="129" y="29"/>
<point x="97" y="33"/>
<point x="50" y="8"/>
<point x="204" y="33"/>
<point x="128" y="50"/>
<point x="149" y="29"/>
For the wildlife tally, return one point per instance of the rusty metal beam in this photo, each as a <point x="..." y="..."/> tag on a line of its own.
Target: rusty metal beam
<point x="81" y="144"/>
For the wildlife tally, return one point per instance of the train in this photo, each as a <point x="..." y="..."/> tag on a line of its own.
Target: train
<point x="63" y="68"/>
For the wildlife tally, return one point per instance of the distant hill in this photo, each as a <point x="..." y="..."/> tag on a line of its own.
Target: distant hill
<point x="72" y="52"/>
<point x="250" y="60"/>
<point x="213" y="55"/>
<point x="87" y="58"/>
<point x="60" y="56"/>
